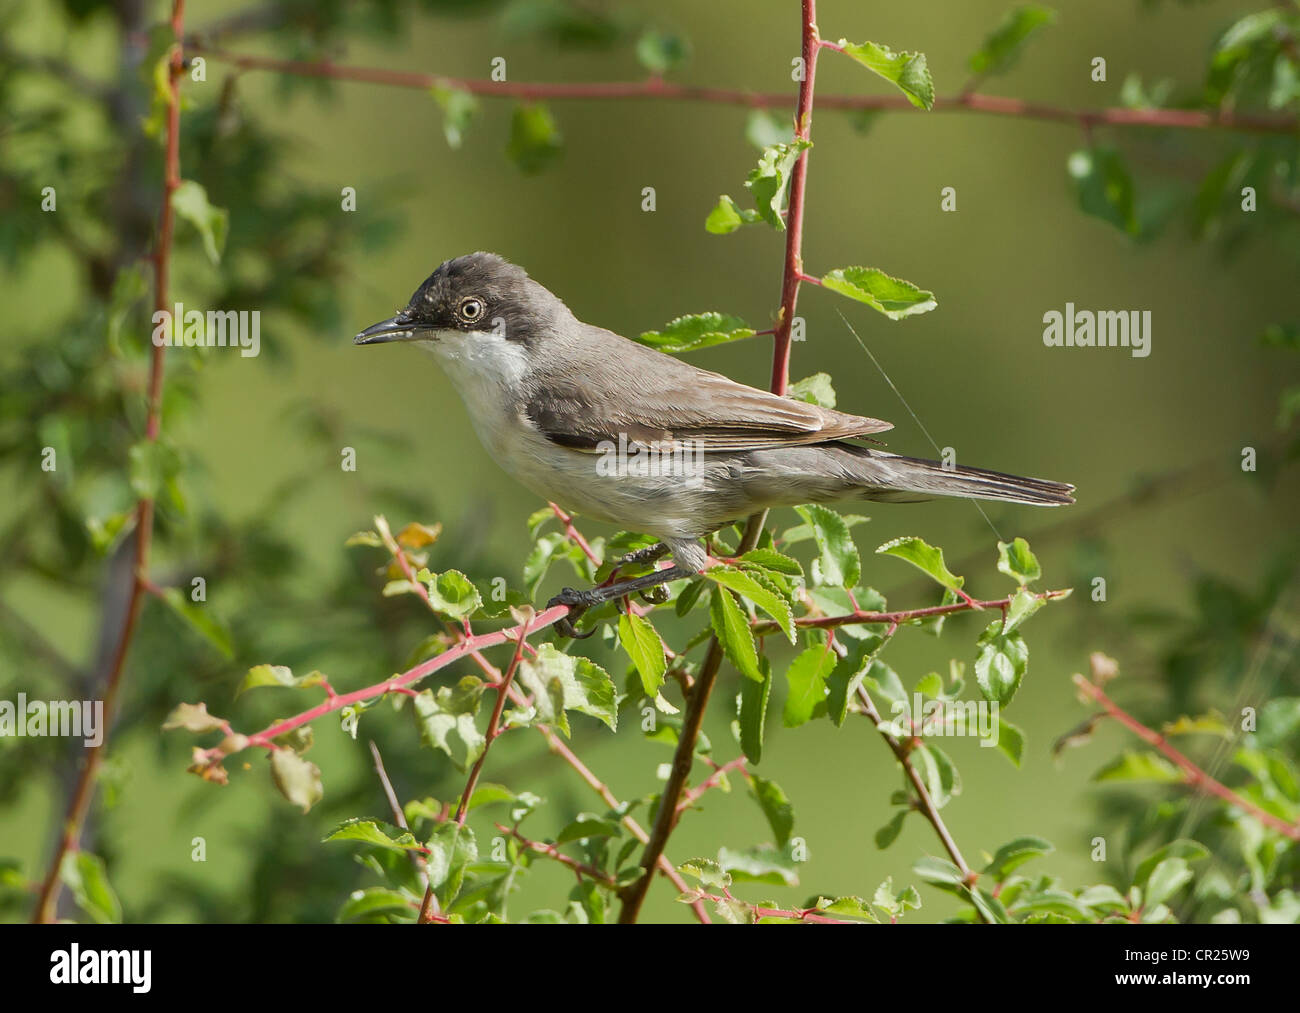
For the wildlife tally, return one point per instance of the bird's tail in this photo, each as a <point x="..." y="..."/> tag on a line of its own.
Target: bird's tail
<point x="892" y="477"/>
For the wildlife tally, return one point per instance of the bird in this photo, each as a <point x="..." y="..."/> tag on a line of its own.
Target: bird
<point x="614" y="430"/>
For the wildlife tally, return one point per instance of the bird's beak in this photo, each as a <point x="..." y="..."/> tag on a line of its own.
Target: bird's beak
<point x="398" y="328"/>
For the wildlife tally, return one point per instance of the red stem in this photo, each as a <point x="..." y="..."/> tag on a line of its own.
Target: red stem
<point x="792" y="273"/>
<point x="1196" y="777"/>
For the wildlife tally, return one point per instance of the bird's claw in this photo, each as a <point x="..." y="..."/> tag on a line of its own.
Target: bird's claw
<point x="578" y="602"/>
<point x="655" y="595"/>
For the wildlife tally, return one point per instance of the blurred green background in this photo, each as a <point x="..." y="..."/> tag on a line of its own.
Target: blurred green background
<point x="975" y="371"/>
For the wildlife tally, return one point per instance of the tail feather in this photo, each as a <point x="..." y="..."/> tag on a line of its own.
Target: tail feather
<point x="892" y="477"/>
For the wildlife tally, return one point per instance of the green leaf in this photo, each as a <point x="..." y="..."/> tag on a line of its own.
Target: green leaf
<point x="926" y="558"/>
<point x="453" y="594"/>
<point x="589" y="827"/>
<point x="660" y="52"/>
<point x="190" y="202"/>
<point x="1139" y="766"/>
<point x="806" y="681"/>
<point x="458" y="108"/>
<point x="815" y="389"/>
<point x="1023" y="605"/>
<point x="758" y="589"/>
<point x="1011" y="740"/>
<point x="447" y="719"/>
<point x="908" y="72"/>
<point x="535" y="141"/>
<point x="840" y="563"/>
<point x="727" y="217"/>
<point x="376" y="905"/>
<point x="731" y="626"/>
<point x="893" y="297"/>
<point x="1187" y="850"/>
<point x="451" y="848"/>
<point x="763" y="130"/>
<point x="848" y="675"/>
<point x="938" y="772"/>
<point x="368" y="831"/>
<point x="1014" y="854"/>
<point x="86" y="877"/>
<point x="762" y="864"/>
<point x="1017" y="562"/>
<point x="193" y="717"/>
<point x="710" y="874"/>
<point x="1003" y="45"/>
<point x="152" y="464"/>
<point x="895" y="904"/>
<point x="776" y="808"/>
<point x="1167" y="878"/>
<point x="770" y="559"/>
<point x="641" y="641"/>
<point x="754" y="697"/>
<point x="277" y="675"/>
<point x="200" y="619"/>
<point x="585" y="687"/>
<point x="1001" y="663"/>
<point x="697" y="330"/>
<point x="938" y="872"/>
<point x="1104" y="188"/>
<point x="298" y="780"/>
<point x="769" y="180"/>
<point x="846" y="907"/>
<point x="887" y="834"/>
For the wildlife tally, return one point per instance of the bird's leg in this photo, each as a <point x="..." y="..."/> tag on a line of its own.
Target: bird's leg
<point x="580" y="601"/>
<point x="649" y="554"/>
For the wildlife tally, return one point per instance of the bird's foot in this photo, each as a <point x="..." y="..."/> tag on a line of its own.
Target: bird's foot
<point x="578" y="602"/>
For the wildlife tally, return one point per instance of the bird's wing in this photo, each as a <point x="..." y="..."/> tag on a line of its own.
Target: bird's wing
<point x="671" y="401"/>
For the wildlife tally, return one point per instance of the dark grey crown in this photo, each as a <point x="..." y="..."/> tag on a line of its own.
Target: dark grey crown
<point x="527" y="310"/>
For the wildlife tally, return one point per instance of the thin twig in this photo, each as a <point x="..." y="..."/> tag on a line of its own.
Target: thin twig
<point x="79" y="804"/>
<point x="1193" y="774"/>
<point x="657" y="88"/>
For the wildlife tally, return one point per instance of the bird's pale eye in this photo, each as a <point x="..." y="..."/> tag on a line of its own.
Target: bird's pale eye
<point x="471" y="309"/>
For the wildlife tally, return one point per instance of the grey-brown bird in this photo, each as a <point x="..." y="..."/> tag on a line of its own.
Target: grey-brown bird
<point x="620" y="432"/>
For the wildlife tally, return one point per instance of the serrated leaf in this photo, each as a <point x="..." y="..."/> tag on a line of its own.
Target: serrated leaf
<point x="707" y="871"/>
<point x="730" y="625"/>
<point x="726" y="217"/>
<point x="908" y="72"/>
<point x="806" y="682"/>
<point x="1023" y="605"/>
<point x="277" y="675"/>
<point x="368" y="831"/>
<point x="925" y="557"/>
<point x="840" y="563"/>
<point x="1001" y="664"/>
<point x="1011" y="740"/>
<point x="697" y="330"/>
<point x="754" y="698"/>
<point x="641" y="641"/>
<point x="453" y="594"/>
<point x="760" y="590"/>
<point x="893" y="297"/>
<point x="447" y="719"/>
<point x="1017" y="562"/>
<point x="816" y="389"/>
<point x="770" y="179"/>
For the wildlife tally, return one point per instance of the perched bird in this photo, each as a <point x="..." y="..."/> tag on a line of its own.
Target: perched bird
<point x="623" y="433"/>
